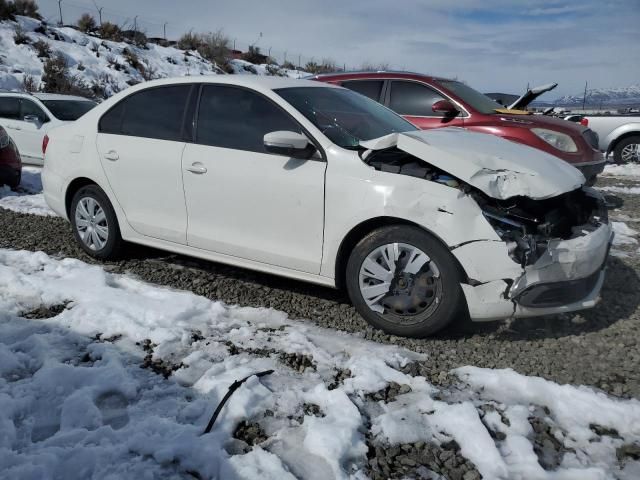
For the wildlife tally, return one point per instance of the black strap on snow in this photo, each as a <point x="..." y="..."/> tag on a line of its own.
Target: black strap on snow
<point x="234" y="386"/>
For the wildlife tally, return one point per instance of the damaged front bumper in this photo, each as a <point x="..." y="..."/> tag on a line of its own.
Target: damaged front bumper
<point x="566" y="278"/>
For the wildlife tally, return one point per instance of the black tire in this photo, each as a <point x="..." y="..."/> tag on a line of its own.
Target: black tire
<point x="16" y="182"/>
<point x="617" y="152"/>
<point x="114" y="244"/>
<point x="422" y="323"/>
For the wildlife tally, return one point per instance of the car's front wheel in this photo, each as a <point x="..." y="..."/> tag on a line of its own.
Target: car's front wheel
<point x="94" y="222"/>
<point x="404" y="281"/>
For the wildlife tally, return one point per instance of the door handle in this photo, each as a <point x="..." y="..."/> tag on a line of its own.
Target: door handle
<point x="197" y="168"/>
<point x="111" y="155"/>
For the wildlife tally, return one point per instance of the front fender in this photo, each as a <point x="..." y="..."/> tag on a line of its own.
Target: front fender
<point x="611" y="139"/>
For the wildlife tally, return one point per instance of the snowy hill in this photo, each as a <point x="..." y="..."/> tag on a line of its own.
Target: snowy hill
<point x="101" y="65"/>
<point x="605" y="96"/>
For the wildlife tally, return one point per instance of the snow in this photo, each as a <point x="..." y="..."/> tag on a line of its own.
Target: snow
<point x="29" y="197"/>
<point x="627" y="190"/>
<point x="624" y="235"/>
<point x="75" y="402"/>
<point x="627" y="170"/>
<point x="105" y="63"/>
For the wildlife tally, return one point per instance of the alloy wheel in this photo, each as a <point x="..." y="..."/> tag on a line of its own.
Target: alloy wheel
<point x="631" y="153"/>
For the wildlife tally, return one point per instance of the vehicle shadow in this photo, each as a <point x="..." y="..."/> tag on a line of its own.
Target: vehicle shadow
<point x="620" y="299"/>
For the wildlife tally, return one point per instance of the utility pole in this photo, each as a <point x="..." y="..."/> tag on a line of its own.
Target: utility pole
<point x="299" y="61"/>
<point x="164" y="30"/>
<point x="60" y="9"/>
<point x="285" y="56"/>
<point x="584" y="97"/>
<point x="99" y="12"/>
<point x="135" y="25"/>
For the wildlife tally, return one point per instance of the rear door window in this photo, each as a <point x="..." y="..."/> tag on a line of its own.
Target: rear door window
<point x="154" y="113"/>
<point x="10" y="108"/>
<point x="413" y="99"/>
<point x="368" y="88"/>
<point x="230" y="117"/>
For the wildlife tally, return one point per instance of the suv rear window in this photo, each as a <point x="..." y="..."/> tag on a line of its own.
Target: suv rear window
<point x="368" y="88"/>
<point x="153" y="113"/>
<point x="69" y="110"/>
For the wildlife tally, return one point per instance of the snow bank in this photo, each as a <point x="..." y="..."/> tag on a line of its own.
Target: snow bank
<point x="105" y="63"/>
<point x="75" y="402"/>
<point x="29" y="197"/>
<point x="628" y="170"/>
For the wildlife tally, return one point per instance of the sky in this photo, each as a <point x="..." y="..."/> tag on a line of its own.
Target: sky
<point x="493" y="45"/>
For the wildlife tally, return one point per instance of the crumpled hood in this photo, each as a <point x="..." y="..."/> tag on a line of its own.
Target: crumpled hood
<point x="500" y="168"/>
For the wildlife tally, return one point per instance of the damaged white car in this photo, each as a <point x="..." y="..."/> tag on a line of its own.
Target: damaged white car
<point x="318" y="183"/>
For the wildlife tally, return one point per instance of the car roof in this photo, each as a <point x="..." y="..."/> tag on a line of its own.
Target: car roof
<point x="375" y="74"/>
<point x="57" y="96"/>
<point x="43" y="96"/>
<point x="251" y="81"/>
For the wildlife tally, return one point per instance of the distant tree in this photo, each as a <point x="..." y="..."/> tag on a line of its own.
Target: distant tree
<point x="57" y="78"/>
<point x="110" y="31"/>
<point x="28" y="8"/>
<point x="87" y="23"/>
<point x="374" y="67"/>
<point x="253" y="55"/>
<point x="214" y="47"/>
<point x="7" y="10"/>
<point x="189" y="41"/>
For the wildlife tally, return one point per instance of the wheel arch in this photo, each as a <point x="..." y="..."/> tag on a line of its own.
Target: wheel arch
<point x="75" y="185"/>
<point x="361" y="230"/>
<point x="614" y="143"/>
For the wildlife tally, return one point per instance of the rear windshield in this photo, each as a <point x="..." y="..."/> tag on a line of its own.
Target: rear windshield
<point x="69" y="110"/>
<point x="476" y="100"/>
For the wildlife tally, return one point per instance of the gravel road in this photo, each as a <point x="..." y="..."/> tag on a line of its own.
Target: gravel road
<point x="599" y="348"/>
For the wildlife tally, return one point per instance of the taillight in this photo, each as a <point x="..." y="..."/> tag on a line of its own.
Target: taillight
<point x="584" y="122"/>
<point x="45" y="142"/>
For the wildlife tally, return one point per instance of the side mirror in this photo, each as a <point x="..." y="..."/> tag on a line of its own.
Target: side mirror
<point x="32" y="119"/>
<point x="289" y="144"/>
<point x="445" y="107"/>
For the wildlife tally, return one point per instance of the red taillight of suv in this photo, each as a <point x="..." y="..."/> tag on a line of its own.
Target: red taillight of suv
<point x="584" y="122"/>
<point x="45" y="142"/>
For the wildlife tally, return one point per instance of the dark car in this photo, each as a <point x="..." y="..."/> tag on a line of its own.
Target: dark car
<point x="10" y="162"/>
<point x="433" y="102"/>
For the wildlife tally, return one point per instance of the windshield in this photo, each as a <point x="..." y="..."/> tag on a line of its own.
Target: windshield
<point x="69" y="110"/>
<point x="476" y="100"/>
<point x="345" y="117"/>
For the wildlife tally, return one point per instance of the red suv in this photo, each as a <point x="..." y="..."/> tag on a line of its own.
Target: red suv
<point x="10" y="162"/>
<point x="431" y="102"/>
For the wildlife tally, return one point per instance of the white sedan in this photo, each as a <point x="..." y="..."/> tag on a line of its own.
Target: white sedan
<point x="318" y="183"/>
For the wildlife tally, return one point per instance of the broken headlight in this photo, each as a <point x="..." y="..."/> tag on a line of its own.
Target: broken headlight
<point x="559" y="140"/>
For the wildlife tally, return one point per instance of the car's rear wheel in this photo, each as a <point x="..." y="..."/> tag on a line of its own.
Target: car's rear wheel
<point x="404" y="281"/>
<point x="627" y="150"/>
<point x="94" y="222"/>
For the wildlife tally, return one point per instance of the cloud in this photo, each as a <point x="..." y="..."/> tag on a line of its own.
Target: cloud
<point x="491" y="44"/>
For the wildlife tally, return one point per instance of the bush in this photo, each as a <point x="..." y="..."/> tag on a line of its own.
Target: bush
<point x="42" y="49"/>
<point x="87" y="23"/>
<point x="189" y="41"/>
<point x="28" y="8"/>
<point x="7" y="10"/>
<point x="19" y="37"/>
<point x="371" y="67"/>
<point x="57" y="79"/>
<point x="215" y="47"/>
<point x="132" y="58"/>
<point x="29" y="83"/>
<point x="110" y="31"/>
<point x="327" y="66"/>
<point x="289" y="66"/>
<point x="253" y="55"/>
